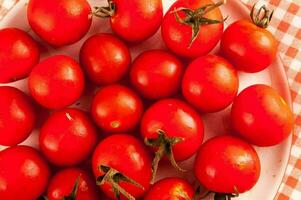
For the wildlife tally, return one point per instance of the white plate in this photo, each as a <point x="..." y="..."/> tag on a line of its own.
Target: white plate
<point x="273" y="159"/>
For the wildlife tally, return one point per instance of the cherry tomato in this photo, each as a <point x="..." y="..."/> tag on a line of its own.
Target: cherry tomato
<point x="170" y="189"/>
<point x="125" y="161"/>
<point x="174" y="129"/>
<point x="156" y="74"/>
<point x="19" y="53"/>
<point x="17" y="116"/>
<point x="249" y="46"/>
<point x="261" y="116"/>
<point x="24" y="173"/>
<point x="105" y="58"/>
<point x="210" y="83"/>
<point x="227" y="165"/>
<point x="56" y="82"/>
<point x="188" y="35"/>
<point x="116" y="108"/>
<point x="68" y="137"/>
<point x="64" y="183"/>
<point x="59" y="22"/>
<point x="135" y="20"/>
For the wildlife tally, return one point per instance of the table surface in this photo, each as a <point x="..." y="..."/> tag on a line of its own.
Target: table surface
<point x="286" y="26"/>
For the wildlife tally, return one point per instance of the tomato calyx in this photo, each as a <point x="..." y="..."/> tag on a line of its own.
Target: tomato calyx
<point x="263" y="16"/>
<point x="72" y="195"/>
<point x="164" y="145"/>
<point x="113" y="177"/>
<point x="217" y="196"/>
<point x="195" y="18"/>
<point x="106" y="11"/>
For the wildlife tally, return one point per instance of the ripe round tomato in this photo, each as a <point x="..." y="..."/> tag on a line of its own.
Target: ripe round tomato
<point x="64" y="182"/>
<point x="227" y="165"/>
<point x="17" y="116"/>
<point x="105" y="58"/>
<point x="122" y="158"/>
<point x="116" y="108"/>
<point x="170" y="189"/>
<point x="261" y="116"/>
<point x="210" y="83"/>
<point x="68" y="137"/>
<point x="56" y="82"/>
<point x="156" y="74"/>
<point x="19" y="53"/>
<point x="59" y="22"/>
<point x="135" y="20"/>
<point x="191" y="36"/>
<point x="173" y="129"/>
<point x="24" y="173"/>
<point x="249" y="46"/>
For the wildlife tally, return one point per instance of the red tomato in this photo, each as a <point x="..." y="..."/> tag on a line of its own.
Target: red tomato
<point x="24" y="173"/>
<point x="170" y="189"/>
<point x="105" y="58"/>
<point x="249" y="46"/>
<point x="19" y="53"/>
<point x="156" y="74"/>
<point x="210" y="83"/>
<point x="59" y="22"/>
<point x="125" y="158"/>
<point x="68" y="137"/>
<point x="116" y="108"/>
<point x="227" y="165"/>
<point x="56" y="82"/>
<point x="65" y="181"/>
<point x="191" y="36"/>
<point x="17" y="116"/>
<point x="261" y="116"/>
<point x="135" y="20"/>
<point x="174" y="129"/>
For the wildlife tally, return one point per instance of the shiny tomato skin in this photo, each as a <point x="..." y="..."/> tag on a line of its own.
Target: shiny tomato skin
<point x="56" y="82"/>
<point x="59" y="22"/>
<point x="24" y="173"/>
<point x="224" y="163"/>
<point x="177" y="36"/>
<point x="248" y="47"/>
<point x="105" y="58"/>
<point x="136" y="20"/>
<point x="176" y="119"/>
<point x="210" y="83"/>
<point x="62" y="183"/>
<point x="17" y="116"/>
<point x="116" y="109"/>
<point x="170" y="189"/>
<point x="19" y="53"/>
<point x="68" y="137"/>
<point x="261" y="116"/>
<point x="128" y="155"/>
<point x="156" y="74"/>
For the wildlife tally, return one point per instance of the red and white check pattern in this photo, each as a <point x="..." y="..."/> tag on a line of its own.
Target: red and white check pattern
<point x="286" y="26"/>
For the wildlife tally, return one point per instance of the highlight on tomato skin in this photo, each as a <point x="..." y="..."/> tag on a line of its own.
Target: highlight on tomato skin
<point x="19" y="53"/>
<point x="227" y="165"/>
<point x="261" y="116"/>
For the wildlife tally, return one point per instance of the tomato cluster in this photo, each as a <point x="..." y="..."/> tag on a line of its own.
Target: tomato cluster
<point x="155" y="95"/>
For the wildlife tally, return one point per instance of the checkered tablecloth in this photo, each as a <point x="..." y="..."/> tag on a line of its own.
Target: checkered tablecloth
<point x="286" y="26"/>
